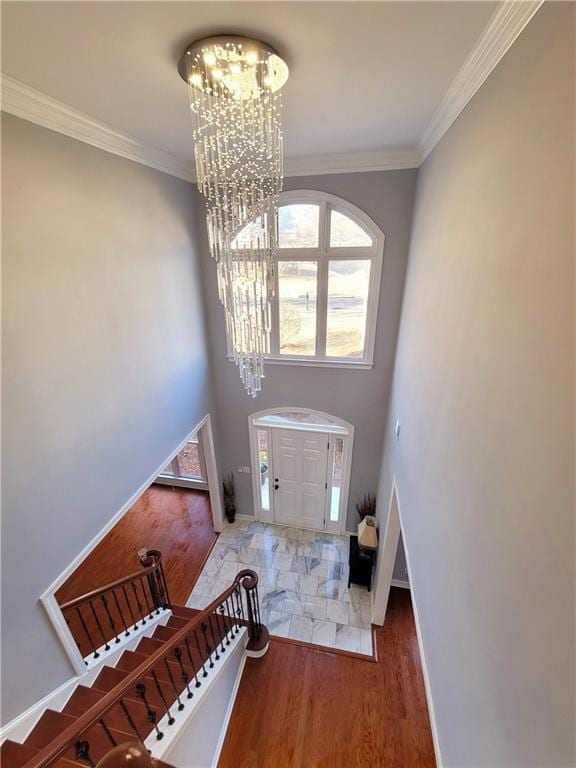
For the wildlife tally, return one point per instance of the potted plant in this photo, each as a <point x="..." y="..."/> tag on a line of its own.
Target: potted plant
<point x="229" y="500"/>
<point x="366" y="507"/>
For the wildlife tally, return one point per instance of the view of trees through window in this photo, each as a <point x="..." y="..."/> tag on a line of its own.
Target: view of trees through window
<point x="326" y="262"/>
<point x="297" y="285"/>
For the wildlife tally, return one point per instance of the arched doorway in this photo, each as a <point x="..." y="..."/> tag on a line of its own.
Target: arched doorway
<point x="301" y="461"/>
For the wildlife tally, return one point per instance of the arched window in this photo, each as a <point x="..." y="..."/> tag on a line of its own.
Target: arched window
<point x="328" y="281"/>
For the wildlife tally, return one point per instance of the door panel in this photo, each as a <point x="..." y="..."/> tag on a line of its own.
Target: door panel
<point x="299" y="472"/>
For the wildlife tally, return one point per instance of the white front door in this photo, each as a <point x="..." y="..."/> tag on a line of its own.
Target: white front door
<point x="299" y="465"/>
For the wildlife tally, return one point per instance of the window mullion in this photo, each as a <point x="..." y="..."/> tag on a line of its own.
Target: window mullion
<point x="322" y="308"/>
<point x="275" y="307"/>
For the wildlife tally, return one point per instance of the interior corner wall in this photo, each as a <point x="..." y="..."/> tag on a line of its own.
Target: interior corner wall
<point x="484" y="390"/>
<point x="105" y="366"/>
<point x="358" y="396"/>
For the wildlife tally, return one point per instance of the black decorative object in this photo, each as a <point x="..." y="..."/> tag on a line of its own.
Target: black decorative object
<point x="361" y="562"/>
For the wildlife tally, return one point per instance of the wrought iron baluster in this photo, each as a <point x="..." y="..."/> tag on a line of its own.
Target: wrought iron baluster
<point x="257" y="602"/>
<point x="88" y="635"/>
<point x="200" y="656"/>
<point x="161" y="694"/>
<point x="97" y="620"/>
<point x="106" y="730"/>
<point x="160" y="586"/>
<point x="180" y="705"/>
<point x="231" y="623"/>
<point x="165" y="587"/>
<point x="83" y="752"/>
<point x="126" y="632"/>
<point x="111" y="622"/>
<point x="130" y="720"/>
<point x="138" y="603"/>
<point x="223" y="633"/>
<point x="150" y="713"/>
<point x="147" y="599"/>
<point x="204" y="629"/>
<point x="198" y="683"/>
<point x="134" y="624"/>
<point x="183" y="673"/>
<point x="76" y="641"/>
<point x="214" y="637"/>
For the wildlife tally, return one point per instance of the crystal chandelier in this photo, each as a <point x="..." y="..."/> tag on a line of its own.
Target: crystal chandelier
<point x="234" y="88"/>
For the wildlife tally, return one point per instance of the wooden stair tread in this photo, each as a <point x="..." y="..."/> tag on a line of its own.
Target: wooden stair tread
<point x="13" y="754"/>
<point x="83" y="698"/>
<point x="108" y="678"/>
<point x="184" y="612"/>
<point x="148" y="645"/>
<point x="177" y="622"/>
<point x="49" y="726"/>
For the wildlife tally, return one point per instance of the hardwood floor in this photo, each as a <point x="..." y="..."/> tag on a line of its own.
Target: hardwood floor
<point x="304" y="708"/>
<point x="177" y="522"/>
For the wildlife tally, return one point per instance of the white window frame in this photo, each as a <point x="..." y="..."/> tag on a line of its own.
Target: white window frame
<point x="322" y="255"/>
<point x="334" y="427"/>
<point x="182" y="481"/>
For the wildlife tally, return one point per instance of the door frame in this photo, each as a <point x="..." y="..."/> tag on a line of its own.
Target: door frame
<point x="334" y="427"/>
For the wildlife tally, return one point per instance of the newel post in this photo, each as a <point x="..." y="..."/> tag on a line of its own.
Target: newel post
<point x="258" y="637"/>
<point x="152" y="558"/>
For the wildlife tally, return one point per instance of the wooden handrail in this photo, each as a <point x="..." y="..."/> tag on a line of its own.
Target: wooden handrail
<point x="55" y="749"/>
<point x="108" y="587"/>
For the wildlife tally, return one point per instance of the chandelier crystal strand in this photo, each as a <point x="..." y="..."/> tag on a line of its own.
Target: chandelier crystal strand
<point x="234" y="89"/>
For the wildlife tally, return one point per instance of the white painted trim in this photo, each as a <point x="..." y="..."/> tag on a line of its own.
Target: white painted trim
<point x="181" y="482"/>
<point x="30" y="104"/>
<point x="506" y="24"/>
<point x="352" y="162"/>
<point x="339" y="428"/>
<point x="228" y="715"/>
<point x="427" y="686"/>
<point x="400" y="583"/>
<point x="359" y="366"/>
<point x="207" y="437"/>
<point x="19" y="728"/>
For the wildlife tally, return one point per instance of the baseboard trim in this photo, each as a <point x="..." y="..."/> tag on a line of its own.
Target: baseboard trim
<point x="400" y="583"/>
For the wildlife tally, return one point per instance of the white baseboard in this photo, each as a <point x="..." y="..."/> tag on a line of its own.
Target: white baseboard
<point x="19" y="728"/>
<point x="400" y="583"/>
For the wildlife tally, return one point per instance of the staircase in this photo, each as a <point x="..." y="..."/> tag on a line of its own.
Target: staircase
<point x="139" y="698"/>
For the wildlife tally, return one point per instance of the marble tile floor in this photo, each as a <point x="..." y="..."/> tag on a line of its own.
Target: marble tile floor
<point x="302" y="583"/>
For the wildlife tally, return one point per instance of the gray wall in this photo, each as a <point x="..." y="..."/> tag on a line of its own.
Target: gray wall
<point x="105" y="368"/>
<point x="357" y="396"/>
<point x="484" y="388"/>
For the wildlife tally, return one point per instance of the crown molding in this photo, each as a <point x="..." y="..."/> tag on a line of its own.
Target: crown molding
<point x="504" y="27"/>
<point x="352" y="162"/>
<point x="506" y="24"/>
<point x="26" y="102"/>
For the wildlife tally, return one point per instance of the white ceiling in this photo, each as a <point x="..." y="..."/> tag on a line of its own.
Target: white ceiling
<point x="363" y="75"/>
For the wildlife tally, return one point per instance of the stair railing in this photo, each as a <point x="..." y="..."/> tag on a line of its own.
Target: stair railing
<point x="99" y="619"/>
<point x="169" y="677"/>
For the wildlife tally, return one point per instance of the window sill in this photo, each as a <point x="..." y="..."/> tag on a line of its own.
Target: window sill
<point x="359" y="365"/>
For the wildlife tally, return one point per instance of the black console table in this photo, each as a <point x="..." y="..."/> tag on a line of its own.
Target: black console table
<point x="361" y="562"/>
